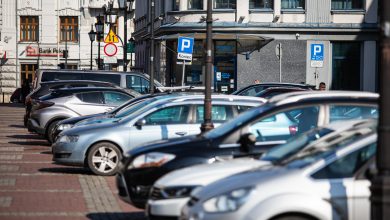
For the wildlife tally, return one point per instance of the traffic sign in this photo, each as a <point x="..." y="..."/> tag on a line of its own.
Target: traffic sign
<point x="185" y="45"/>
<point x="184" y="56"/>
<point x="110" y="60"/>
<point x="317" y="55"/>
<point x="110" y="49"/>
<point x="111" y="37"/>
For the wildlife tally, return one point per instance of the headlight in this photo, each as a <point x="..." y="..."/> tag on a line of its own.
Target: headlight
<point x="228" y="202"/>
<point x="68" y="139"/>
<point x="62" y="127"/>
<point x="153" y="159"/>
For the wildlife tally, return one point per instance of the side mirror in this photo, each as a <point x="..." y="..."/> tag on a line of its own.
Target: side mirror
<point x="140" y="123"/>
<point x="247" y="143"/>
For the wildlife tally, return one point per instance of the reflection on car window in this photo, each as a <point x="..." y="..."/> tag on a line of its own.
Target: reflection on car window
<point x="219" y="113"/>
<point x="112" y="78"/>
<point x="91" y="97"/>
<point x="242" y="108"/>
<point x="52" y="76"/>
<point x="346" y="112"/>
<point x="137" y="83"/>
<point x="133" y="108"/>
<point x="169" y="115"/>
<point x="348" y="165"/>
<point x="115" y="98"/>
<point x="253" y="91"/>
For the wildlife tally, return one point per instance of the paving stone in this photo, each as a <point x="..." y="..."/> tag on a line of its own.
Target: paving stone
<point x="7" y="181"/>
<point x="5" y="201"/>
<point x="10" y="157"/>
<point x="9" y="168"/>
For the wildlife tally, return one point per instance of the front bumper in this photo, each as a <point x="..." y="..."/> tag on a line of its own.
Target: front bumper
<point x="33" y="125"/>
<point x="166" y="207"/>
<point x="67" y="153"/>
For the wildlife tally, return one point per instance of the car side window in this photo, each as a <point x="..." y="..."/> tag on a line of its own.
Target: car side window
<point x="242" y="108"/>
<point x="219" y="113"/>
<point x="346" y="112"/>
<point x="168" y="115"/>
<point x="253" y="91"/>
<point x="348" y="165"/>
<point x="137" y="83"/>
<point x="285" y="124"/>
<point x="115" y="98"/>
<point x="91" y="97"/>
<point x="51" y="76"/>
<point x="112" y="78"/>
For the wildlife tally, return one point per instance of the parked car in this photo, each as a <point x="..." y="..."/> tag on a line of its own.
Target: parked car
<point x="304" y="110"/>
<point x="129" y="80"/>
<point x="171" y="192"/>
<point x="127" y="107"/>
<point x="252" y="90"/>
<point x="273" y="91"/>
<point x="100" y="145"/>
<point x="46" y="87"/>
<point x="330" y="181"/>
<point x="65" y="103"/>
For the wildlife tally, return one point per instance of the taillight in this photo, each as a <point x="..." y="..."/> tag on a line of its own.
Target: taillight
<point x="44" y="104"/>
<point x="293" y="129"/>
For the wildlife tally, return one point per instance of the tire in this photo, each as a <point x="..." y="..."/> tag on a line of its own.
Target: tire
<point x="50" y="129"/>
<point x="293" y="217"/>
<point x="103" y="159"/>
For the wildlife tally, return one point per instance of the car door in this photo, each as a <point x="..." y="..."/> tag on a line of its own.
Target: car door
<point x="113" y="99"/>
<point x="348" y="194"/>
<point x="161" y="124"/>
<point x="87" y="103"/>
<point x="219" y="114"/>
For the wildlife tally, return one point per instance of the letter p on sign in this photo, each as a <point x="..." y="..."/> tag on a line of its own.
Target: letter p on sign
<point x="185" y="45"/>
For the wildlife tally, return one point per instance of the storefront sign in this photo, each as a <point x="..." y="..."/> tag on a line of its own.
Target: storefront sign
<point x="43" y="51"/>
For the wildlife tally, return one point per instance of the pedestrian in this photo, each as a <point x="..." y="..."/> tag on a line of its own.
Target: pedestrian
<point x="256" y="81"/>
<point x="25" y="90"/>
<point x="322" y="86"/>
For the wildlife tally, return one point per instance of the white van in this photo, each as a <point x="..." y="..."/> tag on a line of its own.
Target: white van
<point x="128" y="80"/>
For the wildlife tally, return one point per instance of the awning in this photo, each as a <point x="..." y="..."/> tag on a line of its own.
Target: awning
<point x="247" y="43"/>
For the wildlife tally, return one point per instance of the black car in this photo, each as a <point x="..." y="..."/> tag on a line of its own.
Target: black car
<point x="46" y="87"/>
<point x="271" y="123"/>
<point x="252" y="90"/>
<point x="273" y="91"/>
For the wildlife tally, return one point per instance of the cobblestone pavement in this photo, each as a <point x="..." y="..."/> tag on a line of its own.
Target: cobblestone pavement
<point x="32" y="187"/>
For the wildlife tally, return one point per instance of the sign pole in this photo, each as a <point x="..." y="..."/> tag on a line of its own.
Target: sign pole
<point x="184" y="72"/>
<point x="280" y="62"/>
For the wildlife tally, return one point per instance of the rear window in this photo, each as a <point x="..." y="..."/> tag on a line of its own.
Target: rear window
<point x="112" y="78"/>
<point x="51" y="76"/>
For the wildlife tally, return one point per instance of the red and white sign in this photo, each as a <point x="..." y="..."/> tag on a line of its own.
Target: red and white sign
<point x="43" y="52"/>
<point x="110" y="49"/>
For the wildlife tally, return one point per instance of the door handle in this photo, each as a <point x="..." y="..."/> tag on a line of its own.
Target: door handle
<point x="181" y="133"/>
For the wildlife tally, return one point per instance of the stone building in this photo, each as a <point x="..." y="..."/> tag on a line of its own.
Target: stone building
<point x="34" y="34"/>
<point x="331" y="41"/>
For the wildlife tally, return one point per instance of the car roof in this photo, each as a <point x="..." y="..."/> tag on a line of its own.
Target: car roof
<point x="87" y="89"/>
<point x="312" y="95"/>
<point x="60" y="82"/>
<point x="280" y="84"/>
<point x="230" y="98"/>
<point x="90" y="71"/>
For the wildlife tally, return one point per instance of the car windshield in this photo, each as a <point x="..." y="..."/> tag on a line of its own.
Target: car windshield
<point x="294" y="145"/>
<point x="324" y="149"/>
<point x="133" y="108"/>
<point x="234" y="123"/>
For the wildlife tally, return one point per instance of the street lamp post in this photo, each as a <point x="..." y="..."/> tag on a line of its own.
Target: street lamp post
<point x="92" y="35"/>
<point x="151" y="67"/>
<point x="207" y="123"/>
<point x="124" y="5"/>
<point x="380" y="184"/>
<point x="131" y="43"/>
<point x="99" y="32"/>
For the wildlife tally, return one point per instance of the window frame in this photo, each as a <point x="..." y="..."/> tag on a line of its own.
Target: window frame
<point x="195" y="9"/>
<point x="229" y="3"/>
<point x="70" y="24"/>
<point x="29" y="29"/>
<point x="363" y="9"/>
<point x="303" y="9"/>
<point x="261" y="8"/>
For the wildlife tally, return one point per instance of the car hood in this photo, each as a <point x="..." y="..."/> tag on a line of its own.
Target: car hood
<point x="204" y="174"/>
<point x="169" y="145"/>
<point x="252" y="178"/>
<point x="91" y="128"/>
<point x="75" y="120"/>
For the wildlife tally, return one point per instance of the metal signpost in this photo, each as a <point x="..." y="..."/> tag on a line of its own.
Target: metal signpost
<point x="279" y="54"/>
<point x="185" y="48"/>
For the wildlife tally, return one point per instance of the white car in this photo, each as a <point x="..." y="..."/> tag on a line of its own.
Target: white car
<point x="171" y="192"/>
<point x="328" y="181"/>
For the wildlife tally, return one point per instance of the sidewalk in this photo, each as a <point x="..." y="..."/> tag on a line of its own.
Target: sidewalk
<point x="31" y="187"/>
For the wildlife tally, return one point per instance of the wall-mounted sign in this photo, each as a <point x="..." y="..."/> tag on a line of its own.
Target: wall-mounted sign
<point x="43" y="51"/>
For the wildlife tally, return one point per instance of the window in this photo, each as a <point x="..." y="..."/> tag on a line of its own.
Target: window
<point x="347" y="112"/>
<point x="219" y="113"/>
<point x="224" y="4"/>
<point x="195" y="4"/>
<point x="112" y="78"/>
<point x="51" y="76"/>
<point x="29" y="28"/>
<point x="242" y="108"/>
<point x="91" y="97"/>
<point x="347" y="166"/>
<point x="261" y="4"/>
<point x="168" y="115"/>
<point x="115" y="98"/>
<point x="28" y="72"/>
<point x="284" y="125"/>
<point x="69" y="27"/>
<point x="346" y="66"/>
<point x="138" y="84"/>
<point x="293" y="4"/>
<point x="175" y="5"/>
<point x="347" y="4"/>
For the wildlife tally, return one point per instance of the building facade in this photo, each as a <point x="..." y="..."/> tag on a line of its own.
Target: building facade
<point x="34" y="34"/>
<point x="331" y="41"/>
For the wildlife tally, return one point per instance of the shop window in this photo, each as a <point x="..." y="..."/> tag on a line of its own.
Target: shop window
<point x="195" y="4"/>
<point x="224" y="4"/>
<point x="261" y="4"/>
<point x="346" y="66"/>
<point x="29" y="28"/>
<point x="28" y="72"/>
<point x="347" y="4"/>
<point x="293" y="4"/>
<point x="69" y="27"/>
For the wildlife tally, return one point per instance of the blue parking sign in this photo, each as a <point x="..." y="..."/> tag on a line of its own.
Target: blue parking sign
<point x="185" y="45"/>
<point x="317" y="52"/>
